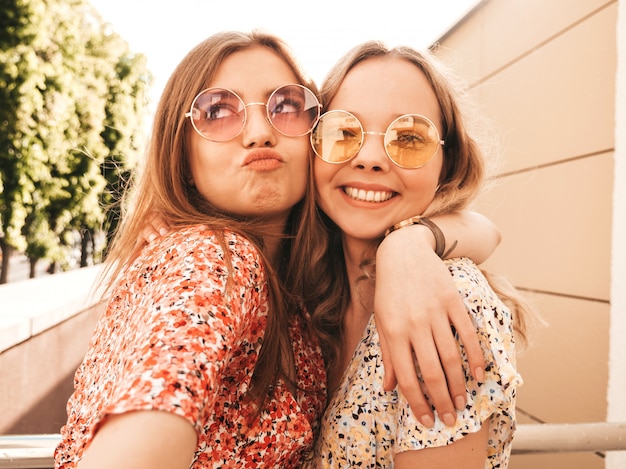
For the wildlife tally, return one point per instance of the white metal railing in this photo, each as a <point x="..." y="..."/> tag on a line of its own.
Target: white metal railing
<point x="27" y="451"/>
<point x="569" y="437"/>
<point x="35" y="451"/>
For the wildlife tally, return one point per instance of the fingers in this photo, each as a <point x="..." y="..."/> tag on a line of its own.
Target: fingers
<point x="160" y="226"/>
<point x="435" y="352"/>
<point x="146" y="236"/>
<point x="417" y="350"/>
<point x="155" y="226"/>
<point x="409" y="385"/>
<point x="468" y="337"/>
<point x="435" y="375"/>
<point x="415" y="308"/>
<point x="409" y="347"/>
<point x="450" y="354"/>
<point x="452" y="364"/>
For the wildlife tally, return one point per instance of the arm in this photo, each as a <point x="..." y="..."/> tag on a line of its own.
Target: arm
<point x="476" y="236"/>
<point x="142" y="440"/>
<point x="415" y="304"/>
<point x="470" y="452"/>
<point x="163" y="393"/>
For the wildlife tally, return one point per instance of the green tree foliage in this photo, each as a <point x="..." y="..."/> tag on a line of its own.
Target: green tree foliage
<point x="18" y="75"/>
<point x="124" y="131"/>
<point x="72" y="100"/>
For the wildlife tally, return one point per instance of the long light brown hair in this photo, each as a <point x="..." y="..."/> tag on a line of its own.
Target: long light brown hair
<point x="460" y="181"/>
<point x="164" y="187"/>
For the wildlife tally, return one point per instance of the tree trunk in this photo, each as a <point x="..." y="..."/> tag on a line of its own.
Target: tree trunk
<point x="33" y="267"/>
<point x="6" y="256"/>
<point x="84" y="247"/>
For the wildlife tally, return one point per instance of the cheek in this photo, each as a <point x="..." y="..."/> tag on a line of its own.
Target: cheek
<point x="300" y="163"/>
<point x="209" y="166"/>
<point x="303" y="157"/>
<point x="422" y="183"/>
<point x="321" y="173"/>
<point x="195" y="156"/>
<point x="432" y="170"/>
<point x="195" y="162"/>
<point x="323" y="176"/>
<point x="201" y="174"/>
<point x="191" y="150"/>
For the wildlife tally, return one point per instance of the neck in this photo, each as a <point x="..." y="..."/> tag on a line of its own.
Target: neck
<point x="356" y="252"/>
<point x="273" y="250"/>
<point x="273" y="235"/>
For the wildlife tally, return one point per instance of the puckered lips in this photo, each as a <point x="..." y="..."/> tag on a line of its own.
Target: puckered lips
<point x="263" y="160"/>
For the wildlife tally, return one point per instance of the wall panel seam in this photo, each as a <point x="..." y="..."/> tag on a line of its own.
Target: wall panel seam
<point x="541" y="44"/>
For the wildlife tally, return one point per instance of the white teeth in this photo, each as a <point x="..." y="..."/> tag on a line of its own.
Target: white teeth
<point x="367" y="196"/>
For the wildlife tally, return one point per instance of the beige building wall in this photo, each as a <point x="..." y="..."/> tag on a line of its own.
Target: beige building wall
<point x="544" y="71"/>
<point x="617" y="359"/>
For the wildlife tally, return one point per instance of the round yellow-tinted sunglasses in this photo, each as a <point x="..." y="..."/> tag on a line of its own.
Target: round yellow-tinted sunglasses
<point x="410" y="141"/>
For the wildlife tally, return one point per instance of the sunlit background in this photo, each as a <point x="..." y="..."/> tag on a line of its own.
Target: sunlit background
<point x="319" y="32"/>
<point x="550" y="75"/>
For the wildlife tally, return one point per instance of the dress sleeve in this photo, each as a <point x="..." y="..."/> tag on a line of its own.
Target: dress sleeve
<point x="490" y="401"/>
<point x="181" y="318"/>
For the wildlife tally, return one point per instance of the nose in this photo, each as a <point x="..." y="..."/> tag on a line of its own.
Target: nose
<point x="257" y="130"/>
<point x="372" y="155"/>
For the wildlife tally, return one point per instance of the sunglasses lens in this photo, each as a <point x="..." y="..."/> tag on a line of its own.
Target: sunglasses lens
<point x="218" y="114"/>
<point x="411" y="141"/>
<point x="293" y="110"/>
<point x="337" y="137"/>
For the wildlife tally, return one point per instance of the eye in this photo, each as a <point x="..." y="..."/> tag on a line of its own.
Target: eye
<point x="349" y="133"/>
<point x="220" y="110"/>
<point x="412" y="139"/>
<point x="284" y="108"/>
<point x="218" y="104"/>
<point x="286" y="105"/>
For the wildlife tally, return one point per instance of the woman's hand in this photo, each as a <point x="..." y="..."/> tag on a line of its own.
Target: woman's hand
<point x="416" y="303"/>
<point x="154" y="227"/>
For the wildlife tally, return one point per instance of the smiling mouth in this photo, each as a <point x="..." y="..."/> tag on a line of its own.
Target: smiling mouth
<point x="368" y="196"/>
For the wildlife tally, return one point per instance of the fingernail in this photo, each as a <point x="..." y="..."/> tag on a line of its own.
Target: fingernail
<point x="152" y="237"/>
<point x="163" y="231"/>
<point x="449" y="419"/>
<point x="427" y="421"/>
<point x="459" y="402"/>
<point x="480" y="374"/>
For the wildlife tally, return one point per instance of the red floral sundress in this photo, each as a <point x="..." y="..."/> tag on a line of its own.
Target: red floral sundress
<point x="171" y="339"/>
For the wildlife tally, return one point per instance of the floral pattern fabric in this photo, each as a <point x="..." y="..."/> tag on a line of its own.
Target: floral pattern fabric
<point x="170" y="339"/>
<point x="365" y="426"/>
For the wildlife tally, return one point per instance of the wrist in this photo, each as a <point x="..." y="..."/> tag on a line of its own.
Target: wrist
<point x="415" y="235"/>
<point x="436" y="237"/>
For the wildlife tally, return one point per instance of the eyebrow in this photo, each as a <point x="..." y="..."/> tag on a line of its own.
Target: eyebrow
<point x="266" y="93"/>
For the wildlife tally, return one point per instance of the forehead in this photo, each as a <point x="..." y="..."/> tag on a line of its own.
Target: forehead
<point x="254" y="70"/>
<point x="381" y="89"/>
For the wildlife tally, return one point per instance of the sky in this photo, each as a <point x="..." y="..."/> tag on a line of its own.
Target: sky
<point x="318" y="32"/>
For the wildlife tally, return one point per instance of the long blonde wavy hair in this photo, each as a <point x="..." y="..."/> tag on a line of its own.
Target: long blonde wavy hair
<point x="460" y="181"/>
